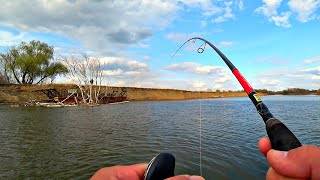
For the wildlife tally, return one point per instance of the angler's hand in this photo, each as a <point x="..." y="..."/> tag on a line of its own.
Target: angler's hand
<point x="133" y="172"/>
<point x="299" y="163"/>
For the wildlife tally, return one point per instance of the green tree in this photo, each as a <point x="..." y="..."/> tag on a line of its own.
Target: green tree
<point x="30" y="63"/>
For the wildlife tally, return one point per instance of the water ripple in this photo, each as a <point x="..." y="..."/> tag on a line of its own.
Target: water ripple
<point x="73" y="143"/>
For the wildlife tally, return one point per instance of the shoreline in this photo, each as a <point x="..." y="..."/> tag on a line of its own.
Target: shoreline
<point x="16" y="93"/>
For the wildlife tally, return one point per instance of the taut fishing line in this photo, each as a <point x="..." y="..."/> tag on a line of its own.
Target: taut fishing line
<point x="200" y="50"/>
<point x="200" y="133"/>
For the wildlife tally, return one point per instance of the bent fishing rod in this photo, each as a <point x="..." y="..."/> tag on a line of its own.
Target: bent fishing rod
<point x="162" y="166"/>
<point x="280" y="136"/>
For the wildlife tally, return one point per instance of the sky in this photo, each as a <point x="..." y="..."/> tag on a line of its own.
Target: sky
<point x="274" y="43"/>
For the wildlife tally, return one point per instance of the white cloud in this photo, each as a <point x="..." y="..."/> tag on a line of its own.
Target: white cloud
<point x="267" y="83"/>
<point x="181" y="37"/>
<point x="313" y="71"/>
<point x="227" y="13"/>
<point x="122" y="71"/>
<point x="312" y="60"/>
<point x="225" y="43"/>
<point x="304" y="8"/>
<point x="5" y="38"/>
<point x="198" y="84"/>
<point x="270" y="10"/>
<point x="207" y="7"/>
<point x="207" y="77"/>
<point x="282" y="20"/>
<point x="240" y="5"/>
<point x="123" y="67"/>
<point x="218" y="86"/>
<point x="281" y="78"/>
<point x="223" y="79"/>
<point x="115" y="72"/>
<point x="9" y="39"/>
<point x="146" y="58"/>
<point x="98" y="25"/>
<point x="134" y="73"/>
<point x="120" y="83"/>
<point x="314" y="77"/>
<point x="132" y="64"/>
<point x="196" y="68"/>
<point x="104" y="27"/>
<point x="209" y="69"/>
<point x="270" y="82"/>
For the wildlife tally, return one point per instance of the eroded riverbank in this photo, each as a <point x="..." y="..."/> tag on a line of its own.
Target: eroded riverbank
<point x="22" y="93"/>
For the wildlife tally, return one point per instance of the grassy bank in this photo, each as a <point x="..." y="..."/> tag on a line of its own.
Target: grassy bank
<point x="21" y="93"/>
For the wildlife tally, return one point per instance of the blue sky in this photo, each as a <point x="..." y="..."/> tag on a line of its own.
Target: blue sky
<point x="274" y="43"/>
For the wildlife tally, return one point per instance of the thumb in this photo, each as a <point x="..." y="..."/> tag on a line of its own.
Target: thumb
<point x="186" y="177"/>
<point x="302" y="162"/>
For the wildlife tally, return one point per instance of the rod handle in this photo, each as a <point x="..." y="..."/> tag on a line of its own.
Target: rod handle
<point x="280" y="136"/>
<point x="160" y="167"/>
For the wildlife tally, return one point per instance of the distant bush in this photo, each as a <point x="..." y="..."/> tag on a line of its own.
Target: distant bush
<point x="294" y="91"/>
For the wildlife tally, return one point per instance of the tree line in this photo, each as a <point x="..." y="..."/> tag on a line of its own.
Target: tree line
<point x="289" y="91"/>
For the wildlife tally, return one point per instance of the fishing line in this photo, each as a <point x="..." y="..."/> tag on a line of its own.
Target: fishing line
<point x="200" y="134"/>
<point x="199" y="50"/>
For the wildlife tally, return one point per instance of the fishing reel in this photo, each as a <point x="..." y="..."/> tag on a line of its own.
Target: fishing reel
<point x="160" y="167"/>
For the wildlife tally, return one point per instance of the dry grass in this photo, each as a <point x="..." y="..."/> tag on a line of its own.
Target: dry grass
<point x="7" y="98"/>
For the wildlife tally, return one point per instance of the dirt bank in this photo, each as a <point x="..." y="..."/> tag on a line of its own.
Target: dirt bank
<point x="22" y="93"/>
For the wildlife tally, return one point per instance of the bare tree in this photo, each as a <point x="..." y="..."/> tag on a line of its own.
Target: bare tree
<point x="87" y="71"/>
<point x="5" y="73"/>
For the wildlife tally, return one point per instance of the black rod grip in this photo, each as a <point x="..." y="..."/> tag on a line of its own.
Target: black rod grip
<point x="160" y="167"/>
<point x="280" y="136"/>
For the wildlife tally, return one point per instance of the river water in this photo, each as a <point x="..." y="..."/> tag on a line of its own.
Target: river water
<point x="74" y="142"/>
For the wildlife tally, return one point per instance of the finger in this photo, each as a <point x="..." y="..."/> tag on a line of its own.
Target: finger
<point x="133" y="172"/>
<point x="139" y="169"/>
<point x="302" y="162"/>
<point x="272" y="175"/>
<point x="264" y="145"/>
<point x="186" y="177"/>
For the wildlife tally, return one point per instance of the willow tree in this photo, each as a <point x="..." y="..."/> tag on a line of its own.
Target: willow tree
<point x="30" y="63"/>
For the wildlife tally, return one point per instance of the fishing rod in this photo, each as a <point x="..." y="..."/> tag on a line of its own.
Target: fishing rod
<point x="280" y="136"/>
